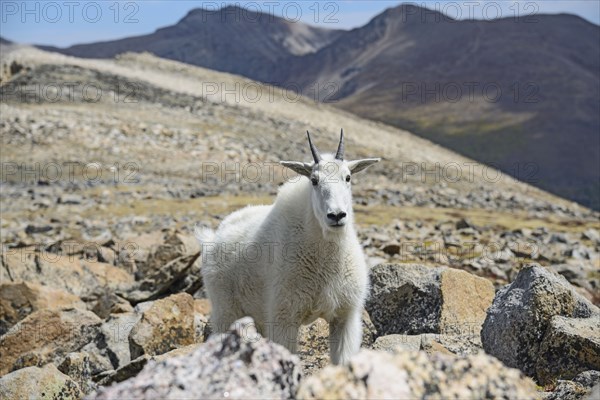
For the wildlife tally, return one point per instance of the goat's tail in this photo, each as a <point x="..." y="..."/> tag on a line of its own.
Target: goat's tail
<point x="204" y="235"/>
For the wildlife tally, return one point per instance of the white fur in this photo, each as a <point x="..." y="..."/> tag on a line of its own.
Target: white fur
<point x="285" y="265"/>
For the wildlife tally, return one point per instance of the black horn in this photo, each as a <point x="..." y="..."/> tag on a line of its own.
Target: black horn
<point x="313" y="150"/>
<point x="340" y="151"/>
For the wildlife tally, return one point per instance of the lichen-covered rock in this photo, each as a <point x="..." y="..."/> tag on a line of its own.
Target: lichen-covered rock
<point x="39" y="383"/>
<point x="162" y="280"/>
<point x="457" y="344"/>
<point x="167" y="324"/>
<point x="397" y="342"/>
<point x="46" y="336"/>
<point x="112" y="341"/>
<point x="237" y="364"/>
<point x="570" y="346"/>
<point x="313" y="346"/>
<point x="73" y="275"/>
<point x="521" y="313"/>
<point x="430" y="343"/>
<point x="153" y="250"/>
<point x="414" y="299"/>
<point x="77" y="367"/>
<point x="19" y="299"/>
<point x="108" y="302"/>
<point x="134" y="367"/>
<point x="369" y="333"/>
<point x="579" y="388"/>
<point x="567" y="390"/>
<point x="416" y="375"/>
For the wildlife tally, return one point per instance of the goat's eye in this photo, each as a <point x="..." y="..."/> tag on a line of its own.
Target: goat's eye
<point x="314" y="181"/>
<point x="347" y="178"/>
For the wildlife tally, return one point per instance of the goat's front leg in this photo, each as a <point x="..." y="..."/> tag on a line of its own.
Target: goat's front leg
<point x="345" y="336"/>
<point x="284" y="332"/>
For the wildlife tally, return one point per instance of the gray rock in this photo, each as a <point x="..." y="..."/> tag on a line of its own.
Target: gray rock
<point x="398" y="342"/>
<point x="124" y="372"/>
<point x="570" y="346"/>
<point x="34" y="382"/>
<point x="591" y="234"/>
<point x="463" y="344"/>
<point x="46" y="336"/>
<point x="588" y="379"/>
<point x="77" y="367"/>
<point x="567" y="390"/>
<point x="417" y="375"/>
<point x="167" y="324"/>
<point x="414" y="299"/>
<point x="17" y="300"/>
<point x="165" y="279"/>
<point x="79" y="277"/>
<point x="579" y="388"/>
<point x="238" y="364"/>
<point x="521" y="313"/>
<point x="112" y="343"/>
<point x="430" y="342"/>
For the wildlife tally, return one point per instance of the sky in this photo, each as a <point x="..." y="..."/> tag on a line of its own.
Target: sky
<point x="63" y="23"/>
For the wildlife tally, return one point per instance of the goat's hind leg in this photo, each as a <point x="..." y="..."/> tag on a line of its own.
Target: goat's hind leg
<point x="225" y="309"/>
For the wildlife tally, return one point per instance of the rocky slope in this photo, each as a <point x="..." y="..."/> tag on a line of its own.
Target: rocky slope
<point x="516" y="93"/>
<point x="99" y="275"/>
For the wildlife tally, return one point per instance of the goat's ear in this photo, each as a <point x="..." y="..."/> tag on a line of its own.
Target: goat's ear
<point x="358" y="165"/>
<point x="298" y="167"/>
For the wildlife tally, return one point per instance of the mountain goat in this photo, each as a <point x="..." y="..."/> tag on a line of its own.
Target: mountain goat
<point x="291" y="262"/>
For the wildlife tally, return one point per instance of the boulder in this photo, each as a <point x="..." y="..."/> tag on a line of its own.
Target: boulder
<point x="521" y="315"/>
<point x="369" y="333"/>
<point x="164" y="279"/>
<point x="167" y="324"/>
<point x="18" y="300"/>
<point x="107" y="303"/>
<point x="34" y="382"/>
<point x="237" y="364"/>
<point x="581" y="387"/>
<point x="569" y="347"/>
<point x="150" y="251"/>
<point x="134" y="367"/>
<point x="78" y="277"/>
<point x="397" y="342"/>
<point x="408" y="375"/>
<point x="46" y="336"/>
<point x="464" y="344"/>
<point x="112" y="341"/>
<point x="414" y="299"/>
<point x="430" y="343"/>
<point x="77" y="367"/>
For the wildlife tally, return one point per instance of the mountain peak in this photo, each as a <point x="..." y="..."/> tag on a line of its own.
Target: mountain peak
<point x="229" y="13"/>
<point x="413" y="13"/>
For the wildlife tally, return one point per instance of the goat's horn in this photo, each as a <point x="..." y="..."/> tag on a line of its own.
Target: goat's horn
<point x="313" y="149"/>
<point x="340" y="151"/>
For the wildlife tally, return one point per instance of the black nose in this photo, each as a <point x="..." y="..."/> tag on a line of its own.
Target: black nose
<point x="336" y="217"/>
